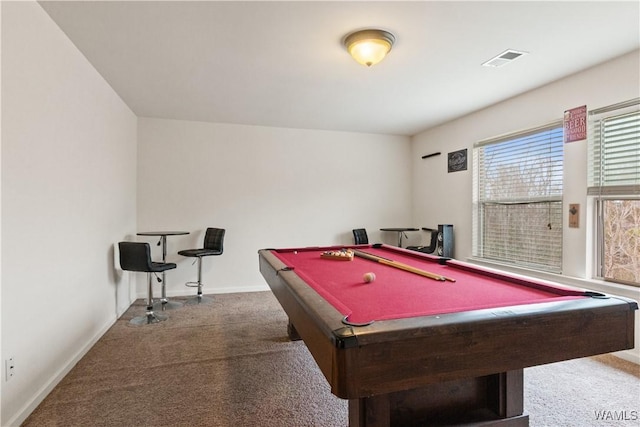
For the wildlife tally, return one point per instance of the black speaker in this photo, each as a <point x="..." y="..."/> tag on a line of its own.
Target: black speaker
<point x="444" y="246"/>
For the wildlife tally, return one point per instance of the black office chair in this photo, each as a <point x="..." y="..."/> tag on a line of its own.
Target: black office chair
<point x="213" y="245"/>
<point x="136" y="256"/>
<point x="360" y="236"/>
<point x="432" y="244"/>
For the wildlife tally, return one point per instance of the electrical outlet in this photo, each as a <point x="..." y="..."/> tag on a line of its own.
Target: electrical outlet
<point x="9" y="368"/>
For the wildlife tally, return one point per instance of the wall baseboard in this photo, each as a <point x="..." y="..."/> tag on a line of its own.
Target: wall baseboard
<point x="33" y="403"/>
<point x="187" y="292"/>
<point x="629" y="355"/>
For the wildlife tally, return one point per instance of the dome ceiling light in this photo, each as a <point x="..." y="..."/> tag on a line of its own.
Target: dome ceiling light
<point x="370" y="46"/>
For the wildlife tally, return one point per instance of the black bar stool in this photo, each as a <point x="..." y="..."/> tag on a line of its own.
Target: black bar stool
<point x="213" y="245"/>
<point x="136" y="256"/>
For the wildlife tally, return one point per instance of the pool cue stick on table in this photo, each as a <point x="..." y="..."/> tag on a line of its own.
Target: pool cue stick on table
<point x="401" y="266"/>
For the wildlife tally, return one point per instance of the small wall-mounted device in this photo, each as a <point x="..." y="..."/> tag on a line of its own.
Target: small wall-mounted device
<point x="574" y="215"/>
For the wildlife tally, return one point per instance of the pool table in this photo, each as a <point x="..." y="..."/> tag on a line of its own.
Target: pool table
<point x="446" y="348"/>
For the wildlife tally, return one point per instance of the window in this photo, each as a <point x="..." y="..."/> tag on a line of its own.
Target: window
<point x="614" y="183"/>
<point x="517" y="198"/>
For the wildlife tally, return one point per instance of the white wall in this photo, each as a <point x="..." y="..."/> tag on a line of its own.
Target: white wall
<point x="68" y="194"/>
<point x="441" y="197"/>
<point x="268" y="187"/>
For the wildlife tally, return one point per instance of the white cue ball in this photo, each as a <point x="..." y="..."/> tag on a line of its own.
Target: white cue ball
<point x="369" y="277"/>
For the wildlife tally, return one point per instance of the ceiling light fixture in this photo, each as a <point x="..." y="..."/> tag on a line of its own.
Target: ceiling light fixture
<point x="370" y="46"/>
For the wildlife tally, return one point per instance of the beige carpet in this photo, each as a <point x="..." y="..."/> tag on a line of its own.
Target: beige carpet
<point x="231" y="364"/>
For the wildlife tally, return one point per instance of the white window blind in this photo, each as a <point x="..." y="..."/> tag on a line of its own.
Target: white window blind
<point x="518" y="198"/>
<point x="614" y="149"/>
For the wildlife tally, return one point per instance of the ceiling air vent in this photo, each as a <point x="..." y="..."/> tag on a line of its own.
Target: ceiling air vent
<point x="504" y="58"/>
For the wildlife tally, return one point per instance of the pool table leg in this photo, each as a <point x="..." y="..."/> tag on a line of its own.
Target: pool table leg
<point x="372" y="411"/>
<point x="493" y="400"/>
<point x="292" y="332"/>
<point x="508" y="396"/>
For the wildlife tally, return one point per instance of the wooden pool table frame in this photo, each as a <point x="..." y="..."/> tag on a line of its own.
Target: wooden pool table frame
<point x="450" y="369"/>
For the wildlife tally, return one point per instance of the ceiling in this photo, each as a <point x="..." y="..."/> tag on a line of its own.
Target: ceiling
<point x="282" y="64"/>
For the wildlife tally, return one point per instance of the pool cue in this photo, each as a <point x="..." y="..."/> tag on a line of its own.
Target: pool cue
<point x="401" y="266"/>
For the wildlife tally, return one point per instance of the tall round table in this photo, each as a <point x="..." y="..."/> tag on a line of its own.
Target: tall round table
<point x="164" y="303"/>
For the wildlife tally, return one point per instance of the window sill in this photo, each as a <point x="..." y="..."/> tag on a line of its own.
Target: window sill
<point x="589" y="284"/>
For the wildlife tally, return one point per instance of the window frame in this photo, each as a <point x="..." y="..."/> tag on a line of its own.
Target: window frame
<point x="598" y="192"/>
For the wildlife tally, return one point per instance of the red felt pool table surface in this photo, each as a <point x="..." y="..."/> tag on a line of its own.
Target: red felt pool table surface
<point x="397" y="294"/>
